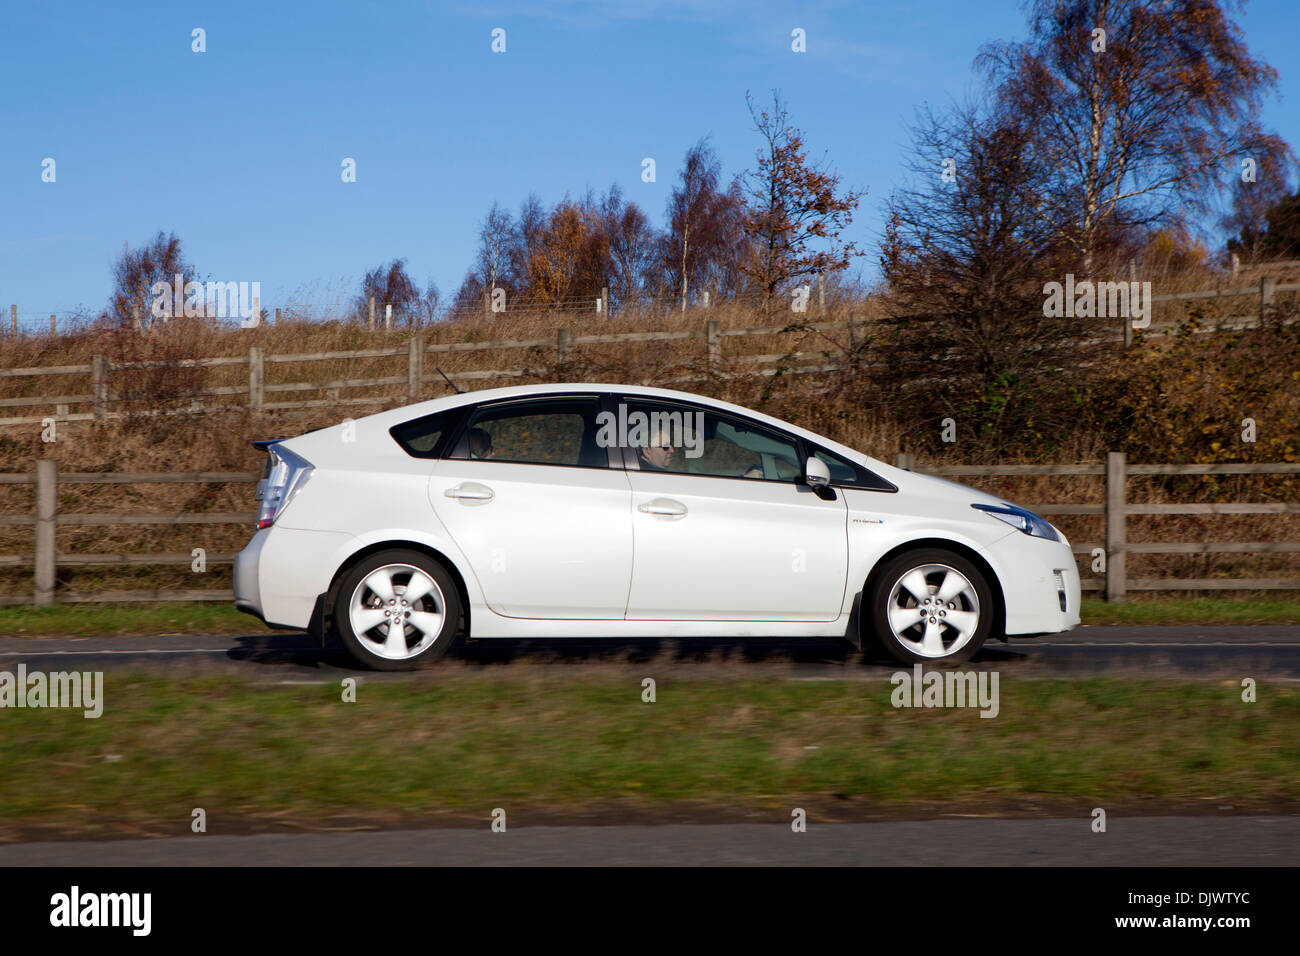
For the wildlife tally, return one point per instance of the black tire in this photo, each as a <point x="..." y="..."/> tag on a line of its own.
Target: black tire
<point x="445" y="600"/>
<point x="878" y="600"/>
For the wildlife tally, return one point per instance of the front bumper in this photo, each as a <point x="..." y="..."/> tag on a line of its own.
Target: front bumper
<point x="1040" y="583"/>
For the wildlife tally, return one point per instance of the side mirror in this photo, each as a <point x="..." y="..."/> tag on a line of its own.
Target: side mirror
<point x="815" y="473"/>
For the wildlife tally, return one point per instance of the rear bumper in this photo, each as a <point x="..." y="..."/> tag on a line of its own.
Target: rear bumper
<point x="282" y="573"/>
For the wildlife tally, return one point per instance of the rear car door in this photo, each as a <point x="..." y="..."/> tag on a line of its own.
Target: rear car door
<point x="530" y="498"/>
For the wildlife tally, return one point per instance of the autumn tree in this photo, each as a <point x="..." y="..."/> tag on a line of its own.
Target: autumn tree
<point x="388" y="285"/>
<point x="570" y="258"/>
<point x="795" y="210"/>
<point x="137" y="270"/>
<point x="1142" y="106"/>
<point x="526" y="240"/>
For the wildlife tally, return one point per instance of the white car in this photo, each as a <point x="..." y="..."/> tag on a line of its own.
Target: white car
<point x="624" y="512"/>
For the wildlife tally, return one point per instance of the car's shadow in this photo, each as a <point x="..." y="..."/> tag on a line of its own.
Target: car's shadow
<point x="297" y="649"/>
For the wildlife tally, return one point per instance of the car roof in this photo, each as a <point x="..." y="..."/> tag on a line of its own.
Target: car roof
<point x="382" y="421"/>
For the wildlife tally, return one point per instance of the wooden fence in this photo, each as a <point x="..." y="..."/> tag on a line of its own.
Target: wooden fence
<point x="1116" y="509"/>
<point x="45" y="520"/>
<point x="260" y="396"/>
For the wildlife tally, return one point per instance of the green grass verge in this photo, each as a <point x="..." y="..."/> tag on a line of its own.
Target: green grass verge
<point x="462" y="744"/>
<point x="1187" y="610"/>
<point x="87" y="620"/>
<point x="149" y="619"/>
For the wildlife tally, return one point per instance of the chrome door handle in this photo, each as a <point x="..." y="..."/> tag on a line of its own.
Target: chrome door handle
<point x="663" y="508"/>
<point x="472" y="491"/>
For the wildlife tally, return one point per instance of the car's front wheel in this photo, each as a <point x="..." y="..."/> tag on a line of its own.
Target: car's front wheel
<point x="930" y="605"/>
<point x="396" y="610"/>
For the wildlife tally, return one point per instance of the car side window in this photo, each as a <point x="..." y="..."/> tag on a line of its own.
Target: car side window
<point x="665" y="436"/>
<point x="552" y="431"/>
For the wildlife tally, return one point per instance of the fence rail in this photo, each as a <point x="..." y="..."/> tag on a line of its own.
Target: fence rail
<point x="1117" y="508"/>
<point x="45" y="560"/>
<point x="256" y="391"/>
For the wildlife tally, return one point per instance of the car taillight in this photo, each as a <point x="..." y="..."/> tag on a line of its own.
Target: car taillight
<point x="284" y="476"/>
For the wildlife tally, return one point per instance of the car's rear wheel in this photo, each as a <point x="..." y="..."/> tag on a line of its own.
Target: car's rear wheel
<point x="930" y="605"/>
<point x="396" y="610"/>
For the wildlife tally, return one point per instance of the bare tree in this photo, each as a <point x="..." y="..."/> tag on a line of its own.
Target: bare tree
<point x="1140" y="106"/>
<point x="1256" y="198"/>
<point x="632" y="245"/>
<point x="428" y="308"/>
<point x="695" y="214"/>
<point x="135" y="273"/>
<point x="495" y="237"/>
<point x="964" y="259"/>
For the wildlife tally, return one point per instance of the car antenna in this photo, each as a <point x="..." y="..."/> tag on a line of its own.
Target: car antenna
<point x="454" y="386"/>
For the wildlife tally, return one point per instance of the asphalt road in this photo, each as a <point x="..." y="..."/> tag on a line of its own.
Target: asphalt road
<point x="1134" y="841"/>
<point x="1198" y="651"/>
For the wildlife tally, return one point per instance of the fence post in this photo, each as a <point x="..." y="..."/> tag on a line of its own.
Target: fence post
<point x="372" y="313"/>
<point x="1267" y="295"/>
<point x="13" y="319"/>
<point x="52" y="325"/>
<point x="99" y="385"/>
<point x="277" y="316"/>
<point x="604" y="300"/>
<point x="1116" y="529"/>
<point x="821" y="294"/>
<point x="135" y="318"/>
<point x="414" y="368"/>
<point x="47" y="507"/>
<point x="255" y="379"/>
<point x="713" y="338"/>
<point x="563" y="345"/>
<point x="388" y="317"/>
<point x="1128" y="321"/>
<point x="853" y="338"/>
<point x="905" y="460"/>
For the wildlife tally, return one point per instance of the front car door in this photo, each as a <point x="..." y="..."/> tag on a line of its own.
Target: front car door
<point x="530" y="498"/>
<point x="724" y="528"/>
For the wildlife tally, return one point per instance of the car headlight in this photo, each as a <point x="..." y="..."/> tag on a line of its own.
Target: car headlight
<point x="1021" y="520"/>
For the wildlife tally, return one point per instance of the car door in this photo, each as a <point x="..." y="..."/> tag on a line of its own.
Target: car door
<point x="723" y="527"/>
<point x="530" y="498"/>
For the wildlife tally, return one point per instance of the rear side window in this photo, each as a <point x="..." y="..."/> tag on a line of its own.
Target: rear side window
<point x="425" y="437"/>
<point x="553" y="431"/>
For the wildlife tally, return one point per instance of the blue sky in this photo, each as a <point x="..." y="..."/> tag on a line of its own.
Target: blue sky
<point x="238" y="149"/>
